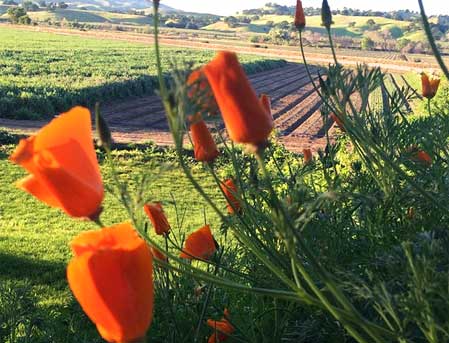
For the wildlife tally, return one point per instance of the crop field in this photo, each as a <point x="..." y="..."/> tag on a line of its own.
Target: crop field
<point x="44" y="74"/>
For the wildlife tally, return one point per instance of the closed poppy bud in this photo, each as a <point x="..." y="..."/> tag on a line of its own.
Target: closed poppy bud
<point x="156" y="214"/>
<point x="230" y="190"/>
<point x="300" y="18"/>
<point x="424" y="157"/>
<point x="63" y="166"/>
<point x="410" y="213"/>
<point x="308" y="158"/>
<point x="111" y="276"/>
<point x="200" y="93"/>
<point x="266" y="103"/>
<point x="326" y="15"/>
<point x="199" y="245"/>
<point x="429" y="86"/>
<point x="223" y="328"/>
<point x="338" y="122"/>
<point x="244" y="116"/>
<point x="204" y="145"/>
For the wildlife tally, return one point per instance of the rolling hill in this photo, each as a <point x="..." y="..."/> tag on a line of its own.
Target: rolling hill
<point x="118" y="5"/>
<point x="349" y="26"/>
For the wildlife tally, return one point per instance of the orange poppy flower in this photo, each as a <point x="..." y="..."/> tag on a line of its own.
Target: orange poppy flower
<point x="156" y="214"/>
<point x="159" y="255"/>
<point x="200" y="244"/>
<point x="200" y="93"/>
<point x="230" y="190"/>
<point x="223" y="328"/>
<point x="338" y="122"/>
<point x="308" y="157"/>
<point x="204" y="145"/>
<point x="63" y="166"/>
<point x="111" y="276"/>
<point x="244" y="116"/>
<point x="300" y="19"/>
<point x="429" y="86"/>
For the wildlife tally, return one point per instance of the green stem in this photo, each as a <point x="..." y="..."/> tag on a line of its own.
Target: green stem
<point x="432" y="43"/>
<point x="331" y="42"/>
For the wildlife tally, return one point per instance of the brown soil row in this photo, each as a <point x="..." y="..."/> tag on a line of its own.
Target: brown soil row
<point x="295" y="109"/>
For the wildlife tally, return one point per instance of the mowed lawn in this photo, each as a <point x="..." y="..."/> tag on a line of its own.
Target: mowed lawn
<point x="34" y="239"/>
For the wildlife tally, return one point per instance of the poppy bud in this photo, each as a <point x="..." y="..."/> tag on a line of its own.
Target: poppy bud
<point x="244" y="116"/>
<point x="338" y="122"/>
<point x="300" y="19"/>
<point x="103" y="131"/>
<point x="222" y="328"/>
<point x="156" y="214"/>
<point x="204" y="145"/>
<point x="308" y="158"/>
<point x="424" y="157"/>
<point x="429" y="86"/>
<point x="230" y="190"/>
<point x="326" y="15"/>
<point x="111" y="276"/>
<point x="200" y="244"/>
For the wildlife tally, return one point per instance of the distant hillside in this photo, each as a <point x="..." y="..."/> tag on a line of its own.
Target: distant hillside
<point x="118" y="5"/>
<point x="350" y="26"/>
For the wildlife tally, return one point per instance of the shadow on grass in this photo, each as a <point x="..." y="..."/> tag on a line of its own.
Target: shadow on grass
<point x="36" y="272"/>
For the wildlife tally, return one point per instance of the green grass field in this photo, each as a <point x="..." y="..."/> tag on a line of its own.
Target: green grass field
<point x="34" y="238"/>
<point x="45" y="73"/>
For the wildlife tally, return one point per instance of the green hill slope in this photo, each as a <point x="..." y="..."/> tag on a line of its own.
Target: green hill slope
<point x="350" y="26"/>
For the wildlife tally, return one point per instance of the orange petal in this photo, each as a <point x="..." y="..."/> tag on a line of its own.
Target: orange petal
<point x="32" y="185"/>
<point x="244" y="116"/>
<point x="199" y="244"/>
<point x="157" y="217"/>
<point x="204" y="145"/>
<point x="115" y="289"/>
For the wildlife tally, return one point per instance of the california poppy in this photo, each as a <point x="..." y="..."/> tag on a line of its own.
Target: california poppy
<point x="223" y="328"/>
<point x="338" y="122"/>
<point x="111" y="276"/>
<point x="156" y="214"/>
<point x="244" y="116"/>
<point x="429" y="86"/>
<point x="300" y="19"/>
<point x="200" y="93"/>
<point x="199" y="244"/>
<point x="307" y="156"/>
<point x="63" y="166"/>
<point x="204" y="145"/>
<point x="230" y="190"/>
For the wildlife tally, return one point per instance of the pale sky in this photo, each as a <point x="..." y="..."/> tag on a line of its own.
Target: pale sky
<point x="227" y="7"/>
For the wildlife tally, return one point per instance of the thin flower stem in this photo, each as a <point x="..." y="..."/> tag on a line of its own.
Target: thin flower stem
<point x="206" y="301"/>
<point x="331" y="42"/>
<point x="431" y="40"/>
<point x="429" y="108"/>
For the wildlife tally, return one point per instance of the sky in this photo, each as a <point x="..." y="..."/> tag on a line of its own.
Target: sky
<point x="228" y="7"/>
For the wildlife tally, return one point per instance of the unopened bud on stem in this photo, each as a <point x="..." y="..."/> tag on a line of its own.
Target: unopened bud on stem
<point x="326" y="15"/>
<point x="103" y="131"/>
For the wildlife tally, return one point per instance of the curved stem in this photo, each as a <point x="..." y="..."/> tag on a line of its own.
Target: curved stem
<point x="432" y="43"/>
